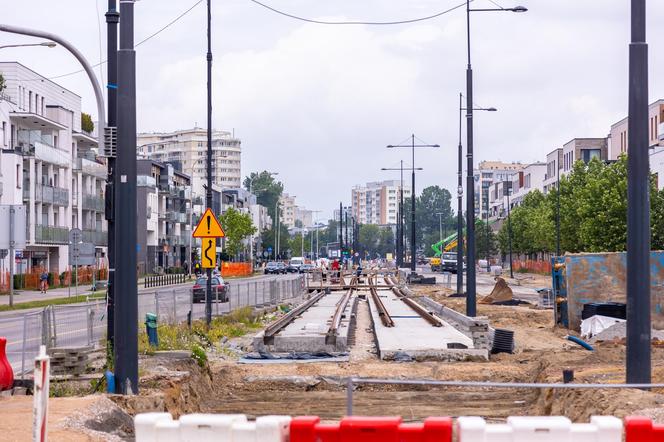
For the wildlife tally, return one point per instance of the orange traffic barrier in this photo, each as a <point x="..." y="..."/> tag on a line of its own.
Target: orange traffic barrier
<point x="236" y="269"/>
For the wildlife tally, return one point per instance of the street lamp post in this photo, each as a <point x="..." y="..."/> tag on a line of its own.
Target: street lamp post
<point x="471" y="301"/>
<point x="401" y="253"/>
<point x="638" y="205"/>
<point x="413" y="239"/>
<point x="508" y="190"/>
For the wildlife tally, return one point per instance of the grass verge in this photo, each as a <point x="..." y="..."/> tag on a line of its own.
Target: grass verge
<point x="53" y="301"/>
<point x="199" y="337"/>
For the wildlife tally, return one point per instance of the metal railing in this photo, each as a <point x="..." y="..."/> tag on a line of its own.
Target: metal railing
<point x="93" y="202"/>
<point x="51" y="235"/>
<point x="51" y="195"/>
<point x="168" y="279"/>
<point x="97" y="237"/>
<point x="84" y="324"/>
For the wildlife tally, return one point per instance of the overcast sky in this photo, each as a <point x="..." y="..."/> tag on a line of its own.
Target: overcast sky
<point x="318" y="104"/>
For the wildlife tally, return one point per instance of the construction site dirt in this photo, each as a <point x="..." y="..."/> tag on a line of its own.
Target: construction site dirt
<point x="173" y="382"/>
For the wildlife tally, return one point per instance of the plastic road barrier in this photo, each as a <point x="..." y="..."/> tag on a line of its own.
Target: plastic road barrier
<point x="160" y="427"/>
<point x="641" y="429"/>
<point x="540" y="429"/>
<point x="370" y="429"/>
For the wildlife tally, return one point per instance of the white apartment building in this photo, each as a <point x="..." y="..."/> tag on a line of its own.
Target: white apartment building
<point x="619" y="137"/>
<point x="488" y="173"/>
<point x="518" y="185"/>
<point x="306" y="217"/>
<point x="554" y="165"/>
<point x="377" y="202"/>
<point x="49" y="165"/>
<point x="287" y="209"/>
<point x="186" y="150"/>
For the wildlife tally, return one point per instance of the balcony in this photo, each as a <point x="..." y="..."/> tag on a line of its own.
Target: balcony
<point x="34" y="143"/>
<point x="181" y="218"/>
<point x="660" y="132"/>
<point x="88" y="166"/>
<point x="51" y="235"/>
<point x="93" y="202"/>
<point x="50" y="195"/>
<point x="97" y="237"/>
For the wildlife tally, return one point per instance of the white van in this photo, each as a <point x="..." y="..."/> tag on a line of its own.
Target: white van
<point x="296" y="262"/>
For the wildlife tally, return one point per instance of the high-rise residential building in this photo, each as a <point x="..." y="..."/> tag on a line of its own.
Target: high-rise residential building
<point x="48" y="164"/>
<point x="488" y="173"/>
<point x="287" y="208"/>
<point x="377" y="202"/>
<point x="163" y="210"/>
<point x="186" y="150"/>
<point x="618" y="138"/>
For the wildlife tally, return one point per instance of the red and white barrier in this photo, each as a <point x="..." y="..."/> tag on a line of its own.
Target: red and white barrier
<point x="42" y="375"/>
<point x="540" y="429"/>
<point x="160" y="427"/>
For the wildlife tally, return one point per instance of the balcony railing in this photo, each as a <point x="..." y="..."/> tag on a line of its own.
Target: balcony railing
<point x="93" y="202"/>
<point x="51" y="235"/>
<point x="51" y="195"/>
<point x="97" y="237"/>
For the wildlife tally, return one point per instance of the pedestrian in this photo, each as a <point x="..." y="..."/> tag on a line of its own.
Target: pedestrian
<point x="43" y="281"/>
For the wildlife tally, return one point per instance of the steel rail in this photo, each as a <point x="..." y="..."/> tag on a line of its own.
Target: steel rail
<point x="289" y="317"/>
<point x="339" y="312"/>
<point x="424" y="313"/>
<point x="384" y="315"/>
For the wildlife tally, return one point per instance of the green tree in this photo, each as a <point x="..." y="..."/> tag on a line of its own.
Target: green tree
<point x="428" y="205"/>
<point x="266" y="188"/>
<point x="86" y="123"/>
<point x="3" y="85"/>
<point x="237" y="227"/>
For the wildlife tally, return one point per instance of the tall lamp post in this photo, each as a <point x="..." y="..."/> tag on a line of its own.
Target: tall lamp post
<point x="401" y="254"/>
<point x="471" y="301"/>
<point x="460" y="195"/>
<point x="638" y="205"/>
<point x="413" y="239"/>
<point x="507" y="190"/>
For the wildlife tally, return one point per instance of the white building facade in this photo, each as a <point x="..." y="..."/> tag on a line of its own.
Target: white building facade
<point x="49" y="165"/>
<point x="187" y="151"/>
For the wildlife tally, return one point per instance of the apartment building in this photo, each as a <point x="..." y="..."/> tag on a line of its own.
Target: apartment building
<point x="287" y="208"/>
<point x="164" y="216"/>
<point x="488" y="173"/>
<point x="186" y="150"/>
<point x="618" y="138"/>
<point x="584" y="149"/>
<point x="377" y="202"/>
<point x="518" y="185"/>
<point x="554" y="165"/>
<point x="304" y="216"/>
<point x="48" y="164"/>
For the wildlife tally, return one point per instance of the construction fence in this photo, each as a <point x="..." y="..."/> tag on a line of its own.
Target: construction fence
<point x="30" y="280"/>
<point x="84" y="325"/>
<point x="532" y="266"/>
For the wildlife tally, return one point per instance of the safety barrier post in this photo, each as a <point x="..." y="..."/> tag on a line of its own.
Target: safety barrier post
<point x="41" y="392"/>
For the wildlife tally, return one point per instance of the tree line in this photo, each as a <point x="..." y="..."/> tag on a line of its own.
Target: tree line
<point x="593" y="213"/>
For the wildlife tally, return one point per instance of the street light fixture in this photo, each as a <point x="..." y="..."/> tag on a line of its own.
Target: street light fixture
<point x="413" y="245"/>
<point x="460" y="195"/>
<point x="48" y="44"/>
<point x="400" y="216"/>
<point x="471" y="297"/>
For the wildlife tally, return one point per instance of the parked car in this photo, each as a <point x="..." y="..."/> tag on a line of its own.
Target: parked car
<point x="307" y="268"/>
<point x="218" y="287"/>
<point x="100" y="284"/>
<point x="274" y="267"/>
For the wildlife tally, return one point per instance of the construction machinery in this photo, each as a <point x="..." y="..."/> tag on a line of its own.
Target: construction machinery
<point x="441" y="247"/>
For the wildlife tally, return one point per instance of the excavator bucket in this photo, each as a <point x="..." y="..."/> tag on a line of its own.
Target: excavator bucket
<point x="501" y="293"/>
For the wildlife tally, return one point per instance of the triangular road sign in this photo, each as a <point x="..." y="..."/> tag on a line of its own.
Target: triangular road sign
<point x="208" y="227"/>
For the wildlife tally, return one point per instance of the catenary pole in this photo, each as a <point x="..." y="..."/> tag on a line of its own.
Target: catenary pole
<point x="126" y="290"/>
<point x="638" y="205"/>
<point x="208" y="190"/>
<point x="459" y="274"/>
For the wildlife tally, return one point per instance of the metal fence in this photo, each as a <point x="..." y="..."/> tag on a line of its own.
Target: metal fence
<point x="84" y="325"/>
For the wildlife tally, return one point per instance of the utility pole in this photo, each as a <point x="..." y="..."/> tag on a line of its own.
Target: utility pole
<point x="126" y="290"/>
<point x="638" y="206"/>
<point x="413" y="246"/>
<point x="341" y="228"/>
<point x="112" y="19"/>
<point x="208" y="190"/>
<point x="459" y="275"/>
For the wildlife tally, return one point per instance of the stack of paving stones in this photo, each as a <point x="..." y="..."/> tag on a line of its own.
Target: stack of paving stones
<point x="475" y="328"/>
<point x="69" y="360"/>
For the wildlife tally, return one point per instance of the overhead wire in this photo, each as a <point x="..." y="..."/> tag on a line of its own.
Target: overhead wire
<point x="370" y="23"/>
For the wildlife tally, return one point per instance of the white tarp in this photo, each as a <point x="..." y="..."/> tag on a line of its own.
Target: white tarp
<point x="596" y="324"/>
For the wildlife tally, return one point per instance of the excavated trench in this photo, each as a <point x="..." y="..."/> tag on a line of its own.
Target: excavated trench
<point x="181" y="387"/>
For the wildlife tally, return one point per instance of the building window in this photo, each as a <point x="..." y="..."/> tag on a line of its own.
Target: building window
<point x="18" y="176"/>
<point x="589" y="154"/>
<point x="4" y="133"/>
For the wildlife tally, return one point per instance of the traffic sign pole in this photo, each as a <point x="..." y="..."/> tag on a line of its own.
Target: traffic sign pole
<point x="208" y="229"/>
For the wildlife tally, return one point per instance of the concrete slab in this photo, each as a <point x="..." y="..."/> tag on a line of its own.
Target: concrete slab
<point x="414" y="338"/>
<point x="308" y="332"/>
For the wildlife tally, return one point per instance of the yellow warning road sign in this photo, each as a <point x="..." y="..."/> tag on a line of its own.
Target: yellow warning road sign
<point x="209" y="253"/>
<point x="208" y="227"/>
